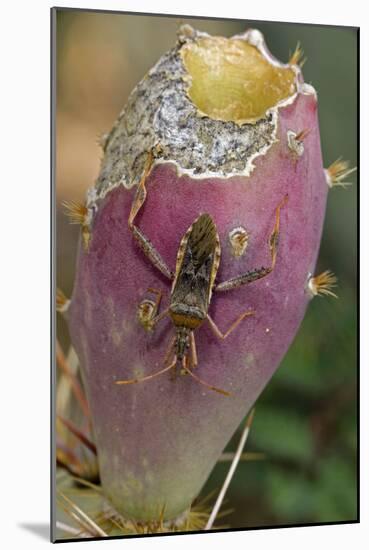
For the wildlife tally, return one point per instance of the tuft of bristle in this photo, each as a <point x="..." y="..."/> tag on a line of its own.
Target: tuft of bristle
<point x="295" y="141"/>
<point x="76" y="211"/>
<point x="62" y="302"/>
<point x="102" y="140"/>
<point x="297" y="57"/>
<point x="322" y="284"/>
<point x="337" y="172"/>
<point x="79" y="214"/>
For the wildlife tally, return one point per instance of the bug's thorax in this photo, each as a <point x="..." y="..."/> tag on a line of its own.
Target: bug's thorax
<point x="182" y="342"/>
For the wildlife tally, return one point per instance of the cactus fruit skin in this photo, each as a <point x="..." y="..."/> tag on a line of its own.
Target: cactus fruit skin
<point x="158" y="440"/>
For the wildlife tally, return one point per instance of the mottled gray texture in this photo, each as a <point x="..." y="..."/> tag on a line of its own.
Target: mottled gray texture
<point x="159" y="116"/>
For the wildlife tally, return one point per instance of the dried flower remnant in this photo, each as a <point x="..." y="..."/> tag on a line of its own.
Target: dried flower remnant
<point x="238" y="238"/>
<point x="148" y="309"/>
<point x="296" y="141"/>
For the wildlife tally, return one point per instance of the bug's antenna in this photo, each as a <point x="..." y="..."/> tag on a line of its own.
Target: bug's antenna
<point x="218" y="390"/>
<point x="172" y="364"/>
<point x="136" y="380"/>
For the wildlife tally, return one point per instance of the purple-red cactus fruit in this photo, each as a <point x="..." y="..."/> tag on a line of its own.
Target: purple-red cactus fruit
<point x="232" y="131"/>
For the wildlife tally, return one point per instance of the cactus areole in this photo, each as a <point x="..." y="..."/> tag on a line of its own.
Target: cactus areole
<point x="231" y="132"/>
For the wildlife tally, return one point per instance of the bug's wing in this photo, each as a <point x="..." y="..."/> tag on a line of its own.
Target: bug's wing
<point x="197" y="263"/>
<point x="202" y="239"/>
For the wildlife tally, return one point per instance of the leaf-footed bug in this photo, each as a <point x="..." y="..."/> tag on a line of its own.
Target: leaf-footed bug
<point x="193" y="282"/>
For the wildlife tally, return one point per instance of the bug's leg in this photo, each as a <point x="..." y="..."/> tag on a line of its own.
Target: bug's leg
<point x="144" y="378"/>
<point x="159" y="296"/>
<point x="173" y="374"/>
<point x="256" y="274"/>
<point x="224" y="335"/>
<point x="193" y="351"/>
<point x="166" y="359"/>
<point x="141" y="192"/>
<point x="145" y="243"/>
<point x="159" y="317"/>
<point x="170" y="348"/>
<point x="202" y="382"/>
<point x="151" y="252"/>
<point x="174" y="358"/>
<point x="146" y="315"/>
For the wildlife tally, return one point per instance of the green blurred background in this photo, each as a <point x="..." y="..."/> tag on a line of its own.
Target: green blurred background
<point x="305" y="420"/>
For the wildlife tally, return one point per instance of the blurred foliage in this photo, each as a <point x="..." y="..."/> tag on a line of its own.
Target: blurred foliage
<point x="305" y="419"/>
<point x="305" y="423"/>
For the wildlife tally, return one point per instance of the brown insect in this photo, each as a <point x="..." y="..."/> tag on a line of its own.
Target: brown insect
<point x="197" y="264"/>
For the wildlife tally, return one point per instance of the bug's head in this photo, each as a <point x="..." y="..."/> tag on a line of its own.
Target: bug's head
<point x="182" y="342"/>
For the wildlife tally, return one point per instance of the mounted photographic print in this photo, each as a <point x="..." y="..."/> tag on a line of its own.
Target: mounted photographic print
<point x="205" y="351"/>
